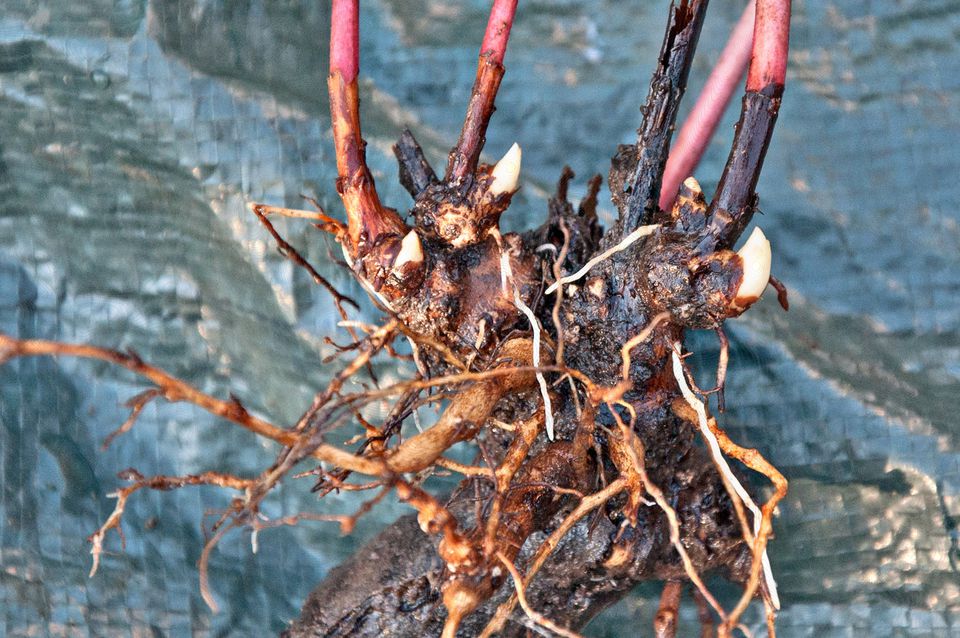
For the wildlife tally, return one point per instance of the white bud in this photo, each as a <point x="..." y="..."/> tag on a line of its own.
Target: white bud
<point x="756" y="268"/>
<point x="692" y="185"/>
<point x="410" y="250"/>
<point x="507" y="172"/>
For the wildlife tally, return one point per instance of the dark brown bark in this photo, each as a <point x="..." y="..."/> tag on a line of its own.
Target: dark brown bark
<point x="391" y="586"/>
<point x="465" y="155"/>
<point x="660" y="112"/>
<point x="382" y="591"/>
<point x="733" y="205"/>
<point x="415" y="171"/>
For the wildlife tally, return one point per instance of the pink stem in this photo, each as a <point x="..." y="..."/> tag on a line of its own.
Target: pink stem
<point x="345" y="39"/>
<point x="700" y="125"/>
<point x="734" y="203"/>
<point x="367" y="219"/>
<point x="771" y="39"/>
<point x="465" y="155"/>
<point x="498" y="29"/>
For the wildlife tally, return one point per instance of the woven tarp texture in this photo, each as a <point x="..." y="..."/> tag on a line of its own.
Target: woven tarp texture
<point x="133" y="134"/>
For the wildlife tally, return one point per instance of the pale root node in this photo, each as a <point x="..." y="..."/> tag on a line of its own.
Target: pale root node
<point x="411" y="252"/>
<point x="692" y="184"/>
<point x="755" y="255"/>
<point x="506" y="173"/>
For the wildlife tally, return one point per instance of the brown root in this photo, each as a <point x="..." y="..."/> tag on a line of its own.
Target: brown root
<point x="665" y="622"/>
<point x="536" y="617"/>
<point x="465" y="415"/>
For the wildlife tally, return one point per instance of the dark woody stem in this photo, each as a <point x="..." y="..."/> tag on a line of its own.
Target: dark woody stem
<point x="734" y="203"/>
<point x="660" y="111"/>
<point x="465" y="155"/>
<point x="415" y="171"/>
<point x="704" y="117"/>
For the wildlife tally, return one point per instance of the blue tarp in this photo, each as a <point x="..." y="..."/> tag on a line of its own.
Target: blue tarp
<point x="133" y="133"/>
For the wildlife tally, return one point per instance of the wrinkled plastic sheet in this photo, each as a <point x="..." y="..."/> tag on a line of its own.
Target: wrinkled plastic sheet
<point x="132" y="135"/>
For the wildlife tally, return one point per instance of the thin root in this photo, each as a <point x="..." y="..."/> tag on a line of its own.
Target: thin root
<point x="625" y="243"/>
<point x="535" y="616"/>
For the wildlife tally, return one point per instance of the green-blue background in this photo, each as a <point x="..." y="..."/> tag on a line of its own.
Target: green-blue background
<point x="132" y="133"/>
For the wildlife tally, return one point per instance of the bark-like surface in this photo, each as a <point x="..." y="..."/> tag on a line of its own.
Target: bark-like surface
<point x="597" y="317"/>
<point x="684" y="272"/>
<point x="667" y="87"/>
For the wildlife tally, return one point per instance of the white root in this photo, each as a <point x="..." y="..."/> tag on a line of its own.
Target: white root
<point x="643" y="231"/>
<point x="535" y="324"/>
<point x="506" y="279"/>
<point x="724" y="467"/>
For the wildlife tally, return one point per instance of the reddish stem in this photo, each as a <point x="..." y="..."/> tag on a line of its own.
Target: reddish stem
<point x="700" y="125"/>
<point x="771" y="39"/>
<point x="498" y="29"/>
<point x="366" y="217"/>
<point x="465" y="155"/>
<point x="345" y="39"/>
<point x="735" y="201"/>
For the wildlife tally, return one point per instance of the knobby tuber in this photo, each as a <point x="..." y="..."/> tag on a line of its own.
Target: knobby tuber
<point x="558" y="353"/>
